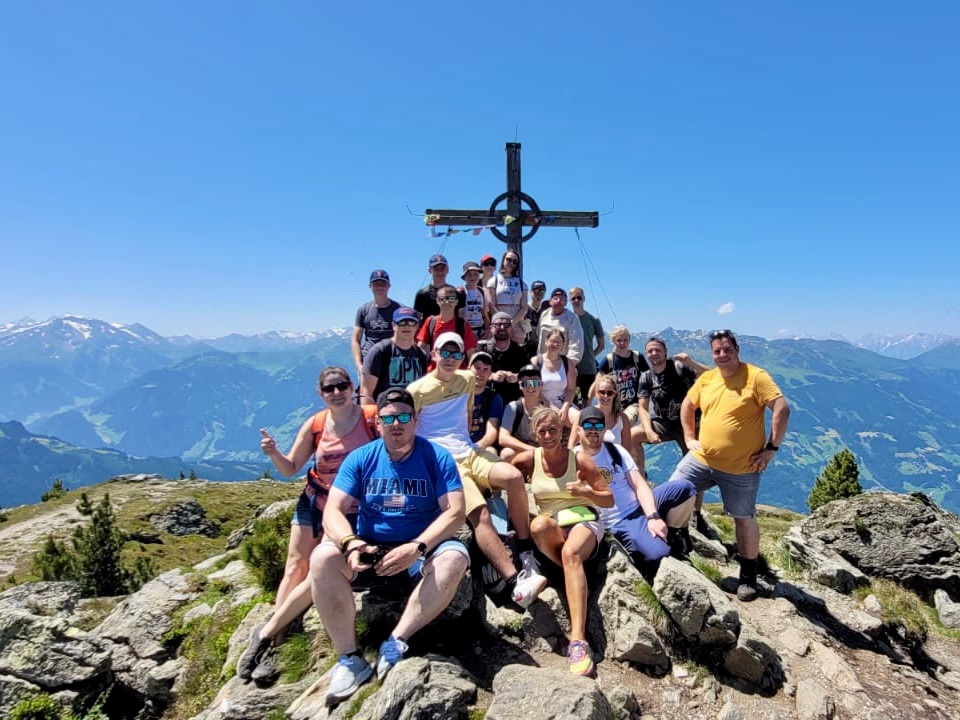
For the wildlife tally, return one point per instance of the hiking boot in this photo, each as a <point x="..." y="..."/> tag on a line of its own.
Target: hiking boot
<point x="580" y="657"/>
<point x="528" y="585"/>
<point x="747" y="590"/>
<point x="700" y="523"/>
<point x="680" y="543"/>
<point x="392" y="651"/>
<point x="268" y="669"/>
<point x="253" y="654"/>
<point x="350" y="672"/>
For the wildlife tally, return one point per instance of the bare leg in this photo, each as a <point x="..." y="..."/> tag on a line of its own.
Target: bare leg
<point x="489" y="542"/>
<point x="504" y="476"/>
<point x="441" y="577"/>
<point x="301" y="545"/>
<point x="748" y="537"/>
<point x="580" y="543"/>
<point x="298" y="602"/>
<point x="330" y="577"/>
<point x="679" y="516"/>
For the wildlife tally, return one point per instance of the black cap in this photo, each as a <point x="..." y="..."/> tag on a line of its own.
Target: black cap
<point x="528" y="371"/>
<point x="558" y="291"/>
<point x="394" y="395"/>
<point x="592" y="414"/>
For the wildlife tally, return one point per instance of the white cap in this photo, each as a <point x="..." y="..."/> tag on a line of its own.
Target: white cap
<point x="448" y="338"/>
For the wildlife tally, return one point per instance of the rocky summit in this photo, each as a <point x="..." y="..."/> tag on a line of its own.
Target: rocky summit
<point x="856" y="618"/>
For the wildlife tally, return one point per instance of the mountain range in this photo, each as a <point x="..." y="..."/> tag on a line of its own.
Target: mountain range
<point x="94" y="384"/>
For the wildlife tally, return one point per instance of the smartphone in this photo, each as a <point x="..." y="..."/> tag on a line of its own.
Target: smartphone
<point x="372" y="558"/>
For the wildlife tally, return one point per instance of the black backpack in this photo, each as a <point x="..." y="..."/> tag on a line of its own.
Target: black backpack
<point x="432" y="324"/>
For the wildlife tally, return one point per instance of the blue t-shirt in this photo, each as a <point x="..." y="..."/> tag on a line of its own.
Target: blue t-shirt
<point x="486" y="406"/>
<point x="397" y="500"/>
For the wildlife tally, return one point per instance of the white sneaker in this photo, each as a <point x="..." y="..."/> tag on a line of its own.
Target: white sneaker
<point x="529" y="585"/>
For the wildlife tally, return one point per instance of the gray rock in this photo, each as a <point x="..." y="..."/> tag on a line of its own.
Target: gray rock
<point x="630" y="634"/>
<point x="521" y="692"/>
<point x="12" y="691"/>
<point x="422" y="687"/>
<point x="708" y="547"/>
<point x="754" y="660"/>
<point x="624" y="703"/>
<point x="234" y="572"/>
<point x="813" y="701"/>
<point x="52" y="599"/>
<point x="948" y="610"/>
<point x="264" y="512"/>
<point x="872" y="604"/>
<point x="238" y="700"/>
<point x="698" y="608"/>
<point x="201" y="610"/>
<point x="821" y="564"/>
<point x="905" y="538"/>
<point x="729" y="711"/>
<point x="187" y="517"/>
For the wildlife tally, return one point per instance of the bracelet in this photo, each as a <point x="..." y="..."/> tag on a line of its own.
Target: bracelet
<point x="346" y="540"/>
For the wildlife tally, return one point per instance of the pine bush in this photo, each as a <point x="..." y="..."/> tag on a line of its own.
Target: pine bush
<point x="839" y="479"/>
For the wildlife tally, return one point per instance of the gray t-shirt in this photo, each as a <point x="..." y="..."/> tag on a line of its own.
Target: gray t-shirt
<point x="377" y="323"/>
<point x="592" y="329"/>
<point x="524" y="432"/>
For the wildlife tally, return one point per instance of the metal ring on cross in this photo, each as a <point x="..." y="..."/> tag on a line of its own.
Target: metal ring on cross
<point x="533" y="209"/>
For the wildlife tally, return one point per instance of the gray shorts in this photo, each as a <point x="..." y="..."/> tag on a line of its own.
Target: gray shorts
<point x="738" y="492"/>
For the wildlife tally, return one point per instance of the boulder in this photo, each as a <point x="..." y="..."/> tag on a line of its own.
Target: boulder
<point x="753" y="659"/>
<point x="628" y="622"/>
<point x="187" y="517"/>
<point x="821" y="564"/>
<point x="947" y="609"/>
<point x="699" y="609"/>
<point x="905" y="538"/>
<point x="238" y="700"/>
<point x="521" y="692"/>
<point x="422" y="687"/>
<point x="264" y="512"/>
<point x="51" y="599"/>
<point x="813" y="701"/>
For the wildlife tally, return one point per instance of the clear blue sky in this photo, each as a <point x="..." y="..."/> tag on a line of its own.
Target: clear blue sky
<point x="220" y="167"/>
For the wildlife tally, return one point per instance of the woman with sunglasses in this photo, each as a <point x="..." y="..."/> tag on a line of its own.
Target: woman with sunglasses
<point x="506" y="292"/>
<point x="559" y="375"/>
<point x="604" y="389"/>
<point x="516" y="432"/>
<point x="567" y="529"/>
<point x="327" y="437"/>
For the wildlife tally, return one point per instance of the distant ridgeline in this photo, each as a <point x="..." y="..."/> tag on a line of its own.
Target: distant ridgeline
<point x="92" y="384"/>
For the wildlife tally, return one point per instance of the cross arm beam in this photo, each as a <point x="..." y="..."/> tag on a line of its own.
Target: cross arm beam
<point x="552" y="218"/>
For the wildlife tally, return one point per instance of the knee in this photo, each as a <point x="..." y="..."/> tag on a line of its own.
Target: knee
<point x="451" y="564"/>
<point x="570" y="555"/>
<point x="323" y="558"/>
<point x="512" y="478"/>
<point x="507" y="454"/>
<point x="539" y="525"/>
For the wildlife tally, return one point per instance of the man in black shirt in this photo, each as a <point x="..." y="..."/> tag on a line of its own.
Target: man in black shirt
<point x="508" y="357"/>
<point x="425" y="301"/>
<point x="666" y="384"/>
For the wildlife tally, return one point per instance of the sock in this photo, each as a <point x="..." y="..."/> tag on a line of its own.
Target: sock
<point x="511" y="581"/>
<point x="748" y="571"/>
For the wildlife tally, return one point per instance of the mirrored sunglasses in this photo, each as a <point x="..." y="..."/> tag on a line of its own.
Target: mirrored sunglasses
<point x="402" y="418"/>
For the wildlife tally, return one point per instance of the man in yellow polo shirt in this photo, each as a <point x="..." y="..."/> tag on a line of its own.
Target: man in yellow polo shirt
<point x="733" y="449"/>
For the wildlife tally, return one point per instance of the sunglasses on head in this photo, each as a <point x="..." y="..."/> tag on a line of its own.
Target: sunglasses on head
<point x="530" y="384"/>
<point x="452" y="354"/>
<point x="593" y="425"/>
<point x="342" y="386"/>
<point x="717" y="334"/>
<point x="402" y="418"/>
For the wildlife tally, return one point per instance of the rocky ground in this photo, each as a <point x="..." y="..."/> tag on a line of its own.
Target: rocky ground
<point x="828" y="639"/>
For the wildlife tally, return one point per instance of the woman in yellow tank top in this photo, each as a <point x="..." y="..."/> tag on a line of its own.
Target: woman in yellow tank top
<point x="566" y="486"/>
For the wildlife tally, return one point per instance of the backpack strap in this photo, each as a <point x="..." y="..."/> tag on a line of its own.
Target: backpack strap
<point x="319" y="422"/>
<point x="517" y="417"/>
<point x="614" y="454"/>
<point x="370" y="418"/>
<point x="610" y="361"/>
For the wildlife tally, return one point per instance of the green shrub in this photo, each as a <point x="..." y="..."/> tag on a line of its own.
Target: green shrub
<point x="55" y="561"/>
<point x="56" y="490"/>
<point x="38" y="707"/>
<point x="839" y="479"/>
<point x="265" y="552"/>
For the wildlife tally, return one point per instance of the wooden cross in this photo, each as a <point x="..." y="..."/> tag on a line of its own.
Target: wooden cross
<point x="526" y="220"/>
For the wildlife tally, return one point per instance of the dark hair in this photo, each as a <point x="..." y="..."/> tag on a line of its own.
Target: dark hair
<point x="503" y="262"/>
<point x="333" y="370"/>
<point x="720" y="334"/>
<point x="448" y="287"/>
<point x="395" y="395"/>
<point x="656" y="339"/>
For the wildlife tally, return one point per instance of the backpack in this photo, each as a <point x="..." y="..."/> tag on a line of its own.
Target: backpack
<point x="634" y="356"/>
<point x="459" y="324"/>
<point x="319" y="421"/>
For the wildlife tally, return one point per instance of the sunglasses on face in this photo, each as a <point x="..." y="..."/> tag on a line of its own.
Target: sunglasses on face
<point x="451" y="354"/>
<point x="527" y="384"/>
<point x="402" y="418"/>
<point x="501" y="324"/>
<point x="406" y="323"/>
<point x="490" y="263"/>
<point x="548" y="430"/>
<point x="606" y="393"/>
<point x="447" y="299"/>
<point x="341" y="386"/>
<point x="511" y="260"/>
<point x="576" y="297"/>
<point x="593" y="425"/>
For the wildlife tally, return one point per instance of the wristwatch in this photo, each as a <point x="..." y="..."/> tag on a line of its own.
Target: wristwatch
<point x="654" y="516"/>
<point x="421" y="547"/>
<point x="771" y="446"/>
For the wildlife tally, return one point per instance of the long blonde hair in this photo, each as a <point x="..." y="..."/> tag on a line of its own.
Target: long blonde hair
<point x="616" y="407"/>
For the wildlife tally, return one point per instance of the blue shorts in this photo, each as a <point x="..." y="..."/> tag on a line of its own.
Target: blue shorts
<point x="632" y="530"/>
<point x="738" y="492"/>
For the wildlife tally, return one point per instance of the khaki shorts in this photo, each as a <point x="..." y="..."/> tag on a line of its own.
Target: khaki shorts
<point x="474" y="472"/>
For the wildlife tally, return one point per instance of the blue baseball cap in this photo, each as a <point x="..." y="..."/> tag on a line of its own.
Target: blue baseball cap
<point x="405" y="313"/>
<point x="438" y="260"/>
<point x="379" y="275"/>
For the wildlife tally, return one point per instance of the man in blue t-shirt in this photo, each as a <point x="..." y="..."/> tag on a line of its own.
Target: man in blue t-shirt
<point x="410" y="504"/>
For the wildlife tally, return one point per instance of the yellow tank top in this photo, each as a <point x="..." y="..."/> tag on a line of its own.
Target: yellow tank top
<point x="550" y="492"/>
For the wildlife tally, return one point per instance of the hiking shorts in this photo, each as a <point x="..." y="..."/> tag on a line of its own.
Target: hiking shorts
<point x="738" y="492"/>
<point x="474" y="472"/>
<point x="632" y="532"/>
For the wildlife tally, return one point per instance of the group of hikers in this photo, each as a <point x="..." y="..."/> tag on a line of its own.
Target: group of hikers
<point x="480" y="393"/>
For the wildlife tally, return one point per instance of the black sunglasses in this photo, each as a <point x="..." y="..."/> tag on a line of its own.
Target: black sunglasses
<point x="342" y="386"/>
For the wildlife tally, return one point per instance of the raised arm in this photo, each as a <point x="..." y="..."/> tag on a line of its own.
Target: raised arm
<point x="288" y="465"/>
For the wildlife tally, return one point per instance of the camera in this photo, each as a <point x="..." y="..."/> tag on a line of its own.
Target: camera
<point x="372" y="558"/>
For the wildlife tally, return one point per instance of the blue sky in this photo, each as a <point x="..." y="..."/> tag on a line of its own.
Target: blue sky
<point x="217" y="167"/>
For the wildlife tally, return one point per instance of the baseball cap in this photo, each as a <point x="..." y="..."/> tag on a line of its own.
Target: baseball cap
<point x="482" y="355"/>
<point x="448" y="338"/>
<point x="592" y="414"/>
<point x="438" y="260"/>
<point x="394" y="395"/>
<point x="538" y="285"/>
<point x="501" y="317"/>
<point x="488" y="258"/>
<point x="528" y="371"/>
<point x="405" y="313"/>
<point x="558" y="291"/>
<point x="467" y="267"/>
<point x="379" y="275"/>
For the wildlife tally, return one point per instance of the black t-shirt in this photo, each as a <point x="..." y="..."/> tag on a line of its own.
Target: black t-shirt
<point x="425" y="302"/>
<point x="627" y="372"/>
<point x="511" y="360"/>
<point x="393" y="366"/>
<point x="667" y="389"/>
